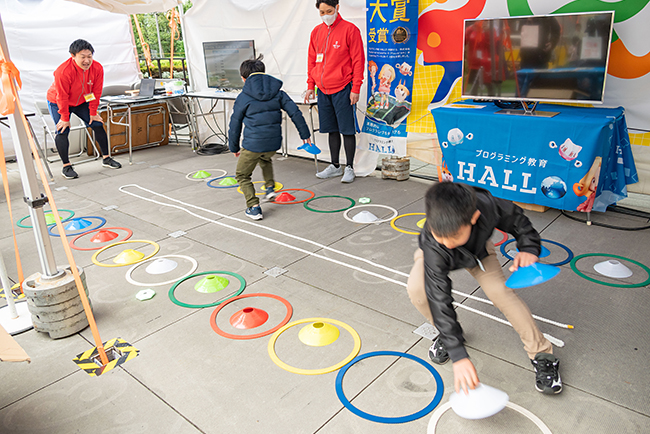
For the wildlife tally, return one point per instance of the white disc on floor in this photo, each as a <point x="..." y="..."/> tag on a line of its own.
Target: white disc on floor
<point x="365" y="217"/>
<point x="613" y="268"/>
<point x="16" y="325"/>
<point x="161" y="266"/>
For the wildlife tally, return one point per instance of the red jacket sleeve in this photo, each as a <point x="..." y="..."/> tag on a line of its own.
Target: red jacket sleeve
<point x="62" y="83"/>
<point x="358" y="59"/>
<point x="311" y="59"/>
<point x="98" y="86"/>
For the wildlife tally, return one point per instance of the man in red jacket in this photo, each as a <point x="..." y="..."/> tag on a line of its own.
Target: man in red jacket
<point x="336" y="64"/>
<point x="77" y="87"/>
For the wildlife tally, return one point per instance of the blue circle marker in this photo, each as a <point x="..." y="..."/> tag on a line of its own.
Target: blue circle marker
<point x="440" y="388"/>
<point x="504" y="252"/>
<point x="102" y="222"/>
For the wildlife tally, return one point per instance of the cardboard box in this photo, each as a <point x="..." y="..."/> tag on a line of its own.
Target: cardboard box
<point x="10" y="351"/>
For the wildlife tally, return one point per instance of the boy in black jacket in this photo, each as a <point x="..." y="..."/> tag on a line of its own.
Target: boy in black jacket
<point x="259" y="107"/>
<point x="460" y="222"/>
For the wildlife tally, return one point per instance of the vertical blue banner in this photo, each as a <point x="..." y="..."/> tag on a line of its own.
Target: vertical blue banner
<point x="392" y="39"/>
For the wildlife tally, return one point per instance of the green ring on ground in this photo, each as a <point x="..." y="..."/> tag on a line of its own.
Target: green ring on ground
<point x="336" y="210"/>
<point x="584" y="276"/>
<point x="173" y="298"/>
<point x="20" y="225"/>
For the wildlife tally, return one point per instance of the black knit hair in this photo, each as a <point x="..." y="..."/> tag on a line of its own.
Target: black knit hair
<point x="449" y="206"/>
<point x="80" y="45"/>
<point x="252" y="65"/>
<point x="333" y="3"/>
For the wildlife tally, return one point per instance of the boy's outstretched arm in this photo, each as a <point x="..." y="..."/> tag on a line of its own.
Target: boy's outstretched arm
<point x="296" y="116"/>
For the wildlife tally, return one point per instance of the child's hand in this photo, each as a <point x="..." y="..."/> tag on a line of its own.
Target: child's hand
<point x="523" y="259"/>
<point x="465" y="375"/>
<point x="236" y="154"/>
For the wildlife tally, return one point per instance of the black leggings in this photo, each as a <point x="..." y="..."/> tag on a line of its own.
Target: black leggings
<point x="61" y="140"/>
<point x="350" y="145"/>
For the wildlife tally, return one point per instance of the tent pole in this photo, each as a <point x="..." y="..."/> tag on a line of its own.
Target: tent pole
<point x="33" y="196"/>
<point x="187" y="59"/>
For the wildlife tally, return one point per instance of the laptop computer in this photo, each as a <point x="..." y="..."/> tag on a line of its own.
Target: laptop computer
<point x="147" y="87"/>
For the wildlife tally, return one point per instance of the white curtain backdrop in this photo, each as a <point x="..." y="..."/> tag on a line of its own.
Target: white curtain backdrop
<point x="39" y="33"/>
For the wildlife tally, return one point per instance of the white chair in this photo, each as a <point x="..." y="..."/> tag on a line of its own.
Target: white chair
<point x="79" y="135"/>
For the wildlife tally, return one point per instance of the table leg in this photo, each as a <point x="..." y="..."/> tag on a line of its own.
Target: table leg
<point x="128" y="116"/>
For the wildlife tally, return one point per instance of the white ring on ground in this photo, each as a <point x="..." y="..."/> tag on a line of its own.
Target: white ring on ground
<point x="376" y="222"/>
<point x="189" y="175"/>
<point x="435" y="417"/>
<point x="129" y="279"/>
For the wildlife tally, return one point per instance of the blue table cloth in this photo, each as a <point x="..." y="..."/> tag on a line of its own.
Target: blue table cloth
<point x="579" y="160"/>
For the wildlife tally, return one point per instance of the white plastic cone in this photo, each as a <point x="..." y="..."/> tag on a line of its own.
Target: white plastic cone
<point x="613" y="268"/>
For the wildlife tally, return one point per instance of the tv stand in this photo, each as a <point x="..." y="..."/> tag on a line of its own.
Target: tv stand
<point x="528" y="109"/>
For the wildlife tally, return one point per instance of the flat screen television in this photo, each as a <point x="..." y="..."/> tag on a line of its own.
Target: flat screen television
<point x="555" y="58"/>
<point x="222" y="61"/>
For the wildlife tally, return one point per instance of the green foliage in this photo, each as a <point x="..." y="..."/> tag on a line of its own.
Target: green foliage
<point x="150" y="35"/>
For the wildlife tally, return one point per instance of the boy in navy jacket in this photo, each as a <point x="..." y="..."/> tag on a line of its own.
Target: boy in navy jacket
<point x="259" y="107"/>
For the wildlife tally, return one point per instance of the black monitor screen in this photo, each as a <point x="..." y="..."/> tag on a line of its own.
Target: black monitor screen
<point x="222" y="61"/>
<point x="559" y="58"/>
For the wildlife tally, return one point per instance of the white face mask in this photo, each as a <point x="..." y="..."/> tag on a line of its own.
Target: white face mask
<point x="329" y="19"/>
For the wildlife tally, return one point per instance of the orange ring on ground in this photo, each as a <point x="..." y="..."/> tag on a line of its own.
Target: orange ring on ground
<point x="503" y="240"/>
<point x="294" y="202"/>
<point x="215" y="327"/>
<point x="128" y="235"/>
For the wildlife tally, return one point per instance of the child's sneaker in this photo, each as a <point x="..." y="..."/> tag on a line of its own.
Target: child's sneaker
<point x="438" y="352"/>
<point x="330" y="172"/>
<point x="547" y="374"/>
<point x="254" y="212"/>
<point x="270" y="194"/>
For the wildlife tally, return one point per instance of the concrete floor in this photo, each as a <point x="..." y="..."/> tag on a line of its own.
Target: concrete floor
<point x="189" y="379"/>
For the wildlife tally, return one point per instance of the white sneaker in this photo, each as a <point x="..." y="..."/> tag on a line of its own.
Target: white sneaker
<point x="348" y="175"/>
<point x="330" y="172"/>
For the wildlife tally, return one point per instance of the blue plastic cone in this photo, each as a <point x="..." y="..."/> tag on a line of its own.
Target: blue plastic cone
<point x="532" y="275"/>
<point x="311" y="148"/>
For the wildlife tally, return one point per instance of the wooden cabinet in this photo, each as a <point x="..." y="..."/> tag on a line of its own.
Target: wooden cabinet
<point x="149" y="126"/>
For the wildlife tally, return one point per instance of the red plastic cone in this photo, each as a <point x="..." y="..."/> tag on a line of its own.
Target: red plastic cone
<point x="285" y="197"/>
<point x="248" y="318"/>
<point x="103" y="237"/>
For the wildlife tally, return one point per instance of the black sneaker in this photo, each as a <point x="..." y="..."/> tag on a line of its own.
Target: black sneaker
<point x="110" y="163"/>
<point x="547" y="374"/>
<point x="438" y="352"/>
<point x="69" y="173"/>
<point x="270" y="194"/>
<point x="254" y="212"/>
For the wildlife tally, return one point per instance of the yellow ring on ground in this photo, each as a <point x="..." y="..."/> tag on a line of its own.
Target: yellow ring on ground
<point x="96" y="262"/>
<point x="392" y="223"/>
<point x="280" y="363"/>
<point x="278" y="186"/>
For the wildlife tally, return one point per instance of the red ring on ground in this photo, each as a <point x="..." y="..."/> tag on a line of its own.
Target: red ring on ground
<point x="294" y="202"/>
<point x="213" y="317"/>
<point x="503" y="240"/>
<point x="128" y="235"/>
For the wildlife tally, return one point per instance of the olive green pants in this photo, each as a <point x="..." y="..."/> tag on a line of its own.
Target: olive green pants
<point x="245" y="166"/>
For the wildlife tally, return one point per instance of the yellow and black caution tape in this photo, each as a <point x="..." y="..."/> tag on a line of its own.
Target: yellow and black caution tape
<point x="118" y="349"/>
<point x="15" y="291"/>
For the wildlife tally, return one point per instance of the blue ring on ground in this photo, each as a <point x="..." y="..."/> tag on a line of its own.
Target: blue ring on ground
<point x="83" y="231"/>
<point x="557" y="264"/>
<point x="209" y="183"/>
<point x="440" y="388"/>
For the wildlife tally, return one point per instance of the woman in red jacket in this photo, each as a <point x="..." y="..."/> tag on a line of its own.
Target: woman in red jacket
<point x="336" y="64"/>
<point x="77" y="87"/>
